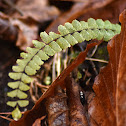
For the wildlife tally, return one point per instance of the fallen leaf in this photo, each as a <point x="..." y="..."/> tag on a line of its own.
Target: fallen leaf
<point x="26" y="33"/>
<point x="109" y="12"/>
<point x="37" y="10"/>
<point x="108" y="108"/>
<point x="74" y="12"/>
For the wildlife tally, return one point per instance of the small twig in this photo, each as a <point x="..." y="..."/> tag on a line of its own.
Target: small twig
<point x="9" y="119"/>
<point x="66" y="58"/>
<point x="87" y="82"/>
<point x="87" y="74"/>
<point x="94" y="50"/>
<point x="94" y="67"/>
<point x="5" y="113"/>
<point x="98" y="60"/>
<point x="8" y="2"/>
<point x="54" y="68"/>
<point x="8" y="113"/>
<point x="58" y="64"/>
<point x="31" y="92"/>
<point x="42" y="86"/>
<point x="36" y="91"/>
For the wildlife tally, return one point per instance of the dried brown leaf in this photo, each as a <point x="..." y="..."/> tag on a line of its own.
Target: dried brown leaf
<point x="110" y="12"/>
<point x="27" y="33"/>
<point x="121" y="76"/>
<point x="108" y="108"/>
<point x="37" y="10"/>
<point x="74" y="12"/>
<point x="38" y="121"/>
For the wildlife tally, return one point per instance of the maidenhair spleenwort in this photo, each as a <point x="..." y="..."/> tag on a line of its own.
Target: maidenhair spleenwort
<point x="69" y="35"/>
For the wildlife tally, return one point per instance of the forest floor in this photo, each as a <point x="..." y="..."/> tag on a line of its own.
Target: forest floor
<point x="45" y="15"/>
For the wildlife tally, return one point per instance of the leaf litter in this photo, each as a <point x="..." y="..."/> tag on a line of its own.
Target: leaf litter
<point x="120" y="113"/>
<point x="107" y="106"/>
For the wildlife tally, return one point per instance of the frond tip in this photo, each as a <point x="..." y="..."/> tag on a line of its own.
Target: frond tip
<point x="69" y="35"/>
<point x="16" y="114"/>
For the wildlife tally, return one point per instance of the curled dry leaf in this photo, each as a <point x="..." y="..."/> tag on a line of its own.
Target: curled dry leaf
<point x="108" y="108"/>
<point x="35" y="10"/>
<point x="16" y="30"/>
<point x="109" y="12"/>
<point x="74" y="13"/>
<point x="27" y="33"/>
<point x="121" y="77"/>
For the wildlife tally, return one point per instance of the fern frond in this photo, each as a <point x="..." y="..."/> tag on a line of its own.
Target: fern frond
<point x="69" y="35"/>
